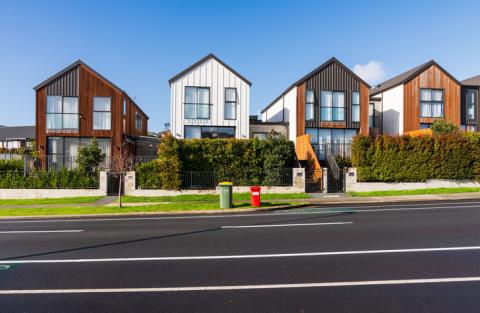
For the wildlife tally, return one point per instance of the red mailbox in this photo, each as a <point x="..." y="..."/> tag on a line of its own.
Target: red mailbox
<point x="255" y="196"/>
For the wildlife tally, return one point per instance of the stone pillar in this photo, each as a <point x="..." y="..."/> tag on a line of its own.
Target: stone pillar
<point x="130" y="182"/>
<point x="350" y="179"/>
<point x="325" y="180"/>
<point x="103" y="182"/>
<point x="299" y="179"/>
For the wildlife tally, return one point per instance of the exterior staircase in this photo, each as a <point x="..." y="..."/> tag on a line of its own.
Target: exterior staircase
<point x="308" y="159"/>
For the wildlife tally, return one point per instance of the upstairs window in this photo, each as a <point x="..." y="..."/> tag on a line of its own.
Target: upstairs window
<point x="431" y="102"/>
<point x="62" y="113"/>
<point x="197" y="102"/>
<point x="230" y="103"/>
<point x="309" y="105"/>
<point x="470" y="99"/>
<point x="102" y="114"/>
<point x="332" y="106"/>
<point x="371" y="115"/>
<point x="355" y="106"/>
<point x="138" y="121"/>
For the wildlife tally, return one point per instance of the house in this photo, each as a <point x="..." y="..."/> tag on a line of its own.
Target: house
<point x="209" y="99"/>
<point x="77" y="104"/>
<point x="330" y="104"/>
<point x="470" y="98"/>
<point x="260" y="129"/>
<point x="416" y="98"/>
<point x="15" y="137"/>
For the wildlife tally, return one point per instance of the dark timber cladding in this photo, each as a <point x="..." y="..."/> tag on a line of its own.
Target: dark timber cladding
<point x="333" y="77"/>
<point x="66" y="85"/>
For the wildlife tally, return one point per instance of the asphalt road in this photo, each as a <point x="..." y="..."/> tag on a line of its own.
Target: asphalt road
<point x="415" y="257"/>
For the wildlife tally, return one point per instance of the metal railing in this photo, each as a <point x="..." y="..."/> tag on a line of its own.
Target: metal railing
<point x="10" y="156"/>
<point x="336" y="149"/>
<point x="198" y="180"/>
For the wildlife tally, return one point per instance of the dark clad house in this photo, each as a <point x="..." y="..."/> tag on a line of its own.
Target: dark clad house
<point x="78" y="104"/>
<point x="15" y="137"/>
<point x="470" y="99"/>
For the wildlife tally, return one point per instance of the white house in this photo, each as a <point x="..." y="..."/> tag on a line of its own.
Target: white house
<point x="209" y="99"/>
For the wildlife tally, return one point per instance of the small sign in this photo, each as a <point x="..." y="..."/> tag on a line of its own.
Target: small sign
<point x="256" y="193"/>
<point x="351" y="174"/>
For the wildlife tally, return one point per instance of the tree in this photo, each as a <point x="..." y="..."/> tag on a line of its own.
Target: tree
<point x="169" y="162"/>
<point x="443" y="127"/>
<point x="120" y="165"/>
<point x="90" y="157"/>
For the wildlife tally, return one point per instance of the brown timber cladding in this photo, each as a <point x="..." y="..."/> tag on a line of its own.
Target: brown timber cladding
<point x="332" y="78"/>
<point x="434" y="78"/>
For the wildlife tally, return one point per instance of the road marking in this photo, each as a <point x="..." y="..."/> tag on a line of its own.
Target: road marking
<point x="41" y="231"/>
<point x="322" y="210"/>
<point x="244" y="256"/>
<point x="246" y="287"/>
<point x="285" y="225"/>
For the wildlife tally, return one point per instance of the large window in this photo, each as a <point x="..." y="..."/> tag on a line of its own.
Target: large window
<point x="309" y="105"/>
<point x="470" y="99"/>
<point x="332" y="106"/>
<point x="230" y="103"/>
<point x="337" y="141"/>
<point x="371" y="115"/>
<point x="62" y="151"/>
<point x="213" y="132"/>
<point x="431" y="102"/>
<point x="138" y="121"/>
<point x="62" y="113"/>
<point x="197" y="102"/>
<point x="355" y="106"/>
<point x="102" y="114"/>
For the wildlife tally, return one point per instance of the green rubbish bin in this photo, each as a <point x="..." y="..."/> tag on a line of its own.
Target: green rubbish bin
<point x="225" y="190"/>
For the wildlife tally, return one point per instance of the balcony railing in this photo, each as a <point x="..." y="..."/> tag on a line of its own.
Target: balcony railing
<point x="336" y="149"/>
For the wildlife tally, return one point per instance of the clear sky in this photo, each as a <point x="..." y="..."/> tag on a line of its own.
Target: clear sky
<point x="139" y="45"/>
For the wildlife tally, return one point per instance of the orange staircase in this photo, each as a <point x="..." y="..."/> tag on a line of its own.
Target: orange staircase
<point x="305" y="152"/>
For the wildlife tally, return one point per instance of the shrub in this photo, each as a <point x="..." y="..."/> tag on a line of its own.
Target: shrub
<point x="443" y="127"/>
<point x="89" y="157"/>
<point x="63" y="179"/>
<point x="11" y="165"/>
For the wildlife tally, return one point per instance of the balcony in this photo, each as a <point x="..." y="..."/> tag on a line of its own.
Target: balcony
<point x="336" y="149"/>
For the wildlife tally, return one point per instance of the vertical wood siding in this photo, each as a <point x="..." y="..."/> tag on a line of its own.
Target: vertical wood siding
<point x="301" y="110"/>
<point x="65" y="85"/>
<point x="435" y="78"/>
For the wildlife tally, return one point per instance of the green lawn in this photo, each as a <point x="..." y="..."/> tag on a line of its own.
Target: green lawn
<point x="213" y="198"/>
<point x="74" y="200"/>
<point x="414" y="192"/>
<point x="170" y="207"/>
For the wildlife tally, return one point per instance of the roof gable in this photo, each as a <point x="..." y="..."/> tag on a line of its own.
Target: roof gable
<point x="203" y="60"/>
<point x="407" y="76"/>
<point x="314" y="72"/>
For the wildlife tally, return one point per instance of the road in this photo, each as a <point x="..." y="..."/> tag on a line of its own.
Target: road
<point x="414" y="257"/>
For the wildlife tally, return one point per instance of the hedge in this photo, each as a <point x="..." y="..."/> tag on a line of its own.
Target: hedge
<point x="241" y="161"/>
<point x="11" y="165"/>
<point x="454" y="155"/>
<point x="63" y="179"/>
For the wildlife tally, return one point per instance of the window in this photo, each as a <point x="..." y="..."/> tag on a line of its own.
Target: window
<point x="138" y="121"/>
<point x="62" y="113"/>
<point x="470" y="99"/>
<point x="337" y="141"/>
<point x="332" y="106"/>
<point x="260" y="136"/>
<point x="371" y="115"/>
<point x="230" y="103"/>
<point x="355" y="106"/>
<point x="197" y="102"/>
<point x="431" y="102"/>
<point x="102" y="115"/>
<point x="62" y="151"/>
<point x="309" y="105"/>
<point x="213" y="132"/>
<point x="425" y="125"/>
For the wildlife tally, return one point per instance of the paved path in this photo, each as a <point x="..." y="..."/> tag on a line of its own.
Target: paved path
<point x="415" y="257"/>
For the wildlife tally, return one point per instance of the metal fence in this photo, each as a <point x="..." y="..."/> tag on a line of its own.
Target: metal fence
<point x="10" y="156"/>
<point x="336" y="149"/>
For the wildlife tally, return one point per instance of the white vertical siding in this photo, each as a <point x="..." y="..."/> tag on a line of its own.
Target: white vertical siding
<point x="284" y="110"/>
<point x="216" y="76"/>
<point x="392" y="109"/>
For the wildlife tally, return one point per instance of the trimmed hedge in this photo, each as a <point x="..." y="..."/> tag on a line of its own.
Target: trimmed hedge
<point x="454" y="155"/>
<point x="11" y="165"/>
<point x="63" y="179"/>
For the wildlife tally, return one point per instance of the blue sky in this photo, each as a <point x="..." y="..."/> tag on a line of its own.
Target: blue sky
<point x="139" y="45"/>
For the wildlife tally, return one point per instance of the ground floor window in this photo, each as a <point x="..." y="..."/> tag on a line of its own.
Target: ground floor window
<point x="212" y="132"/>
<point x="336" y="141"/>
<point x="469" y="128"/>
<point x="425" y="125"/>
<point x="260" y="135"/>
<point x="62" y="151"/>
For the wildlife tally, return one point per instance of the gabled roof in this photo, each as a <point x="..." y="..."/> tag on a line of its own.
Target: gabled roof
<point x="472" y="81"/>
<point x="81" y="63"/>
<point x="17" y="132"/>
<point x="315" y="71"/>
<point x="201" y="61"/>
<point x="407" y="76"/>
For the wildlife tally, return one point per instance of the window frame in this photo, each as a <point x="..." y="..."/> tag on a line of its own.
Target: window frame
<point x="432" y="102"/>
<point x="228" y="102"/>
<point x="97" y="111"/>
<point x="371" y="118"/>
<point x="138" y="117"/>
<point x="332" y="107"/>
<point x="185" y="103"/>
<point x="207" y="126"/>
<point x="309" y="103"/>
<point x="473" y="92"/>
<point x="357" y="105"/>
<point x="62" y="113"/>
<point x="260" y="133"/>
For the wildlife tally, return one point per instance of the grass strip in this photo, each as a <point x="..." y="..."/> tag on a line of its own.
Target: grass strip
<point x="428" y="191"/>
<point x="70" y="200"/>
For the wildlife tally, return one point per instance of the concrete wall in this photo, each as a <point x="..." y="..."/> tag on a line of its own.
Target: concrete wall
<point x="297" y="187"/>
<point x="267" y="128"/>
<point x="351" y="184"/>
<point x="56" y="193"/>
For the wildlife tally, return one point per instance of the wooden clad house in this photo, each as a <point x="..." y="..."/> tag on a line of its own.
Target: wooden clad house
<point x="416" y="98"/>
<point x="77" y="104"/>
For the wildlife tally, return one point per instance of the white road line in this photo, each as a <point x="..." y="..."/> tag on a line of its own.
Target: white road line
<point x="243" y="256"/>
<point x="285" y="225"/>
<point x="41" y="231"/>
<point x="323" y="210"/>
<point x="246" y="287"/>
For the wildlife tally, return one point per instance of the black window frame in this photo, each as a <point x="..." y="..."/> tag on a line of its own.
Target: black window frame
<point x="229" y="102"/>
<point x="333" y="107"/>
<point x="371" y="118"/>
<point x="197" y="104"/>
<point x="138" y="117"/>
<point x="62" y="113"/>
<point x="431" y="102"/>
<point x="309" y="103"/>
<point x="473" y="92"/>
<point x="356" y="105"/>
<point x="97" y="111"/>
<point x="208" y="126"/>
